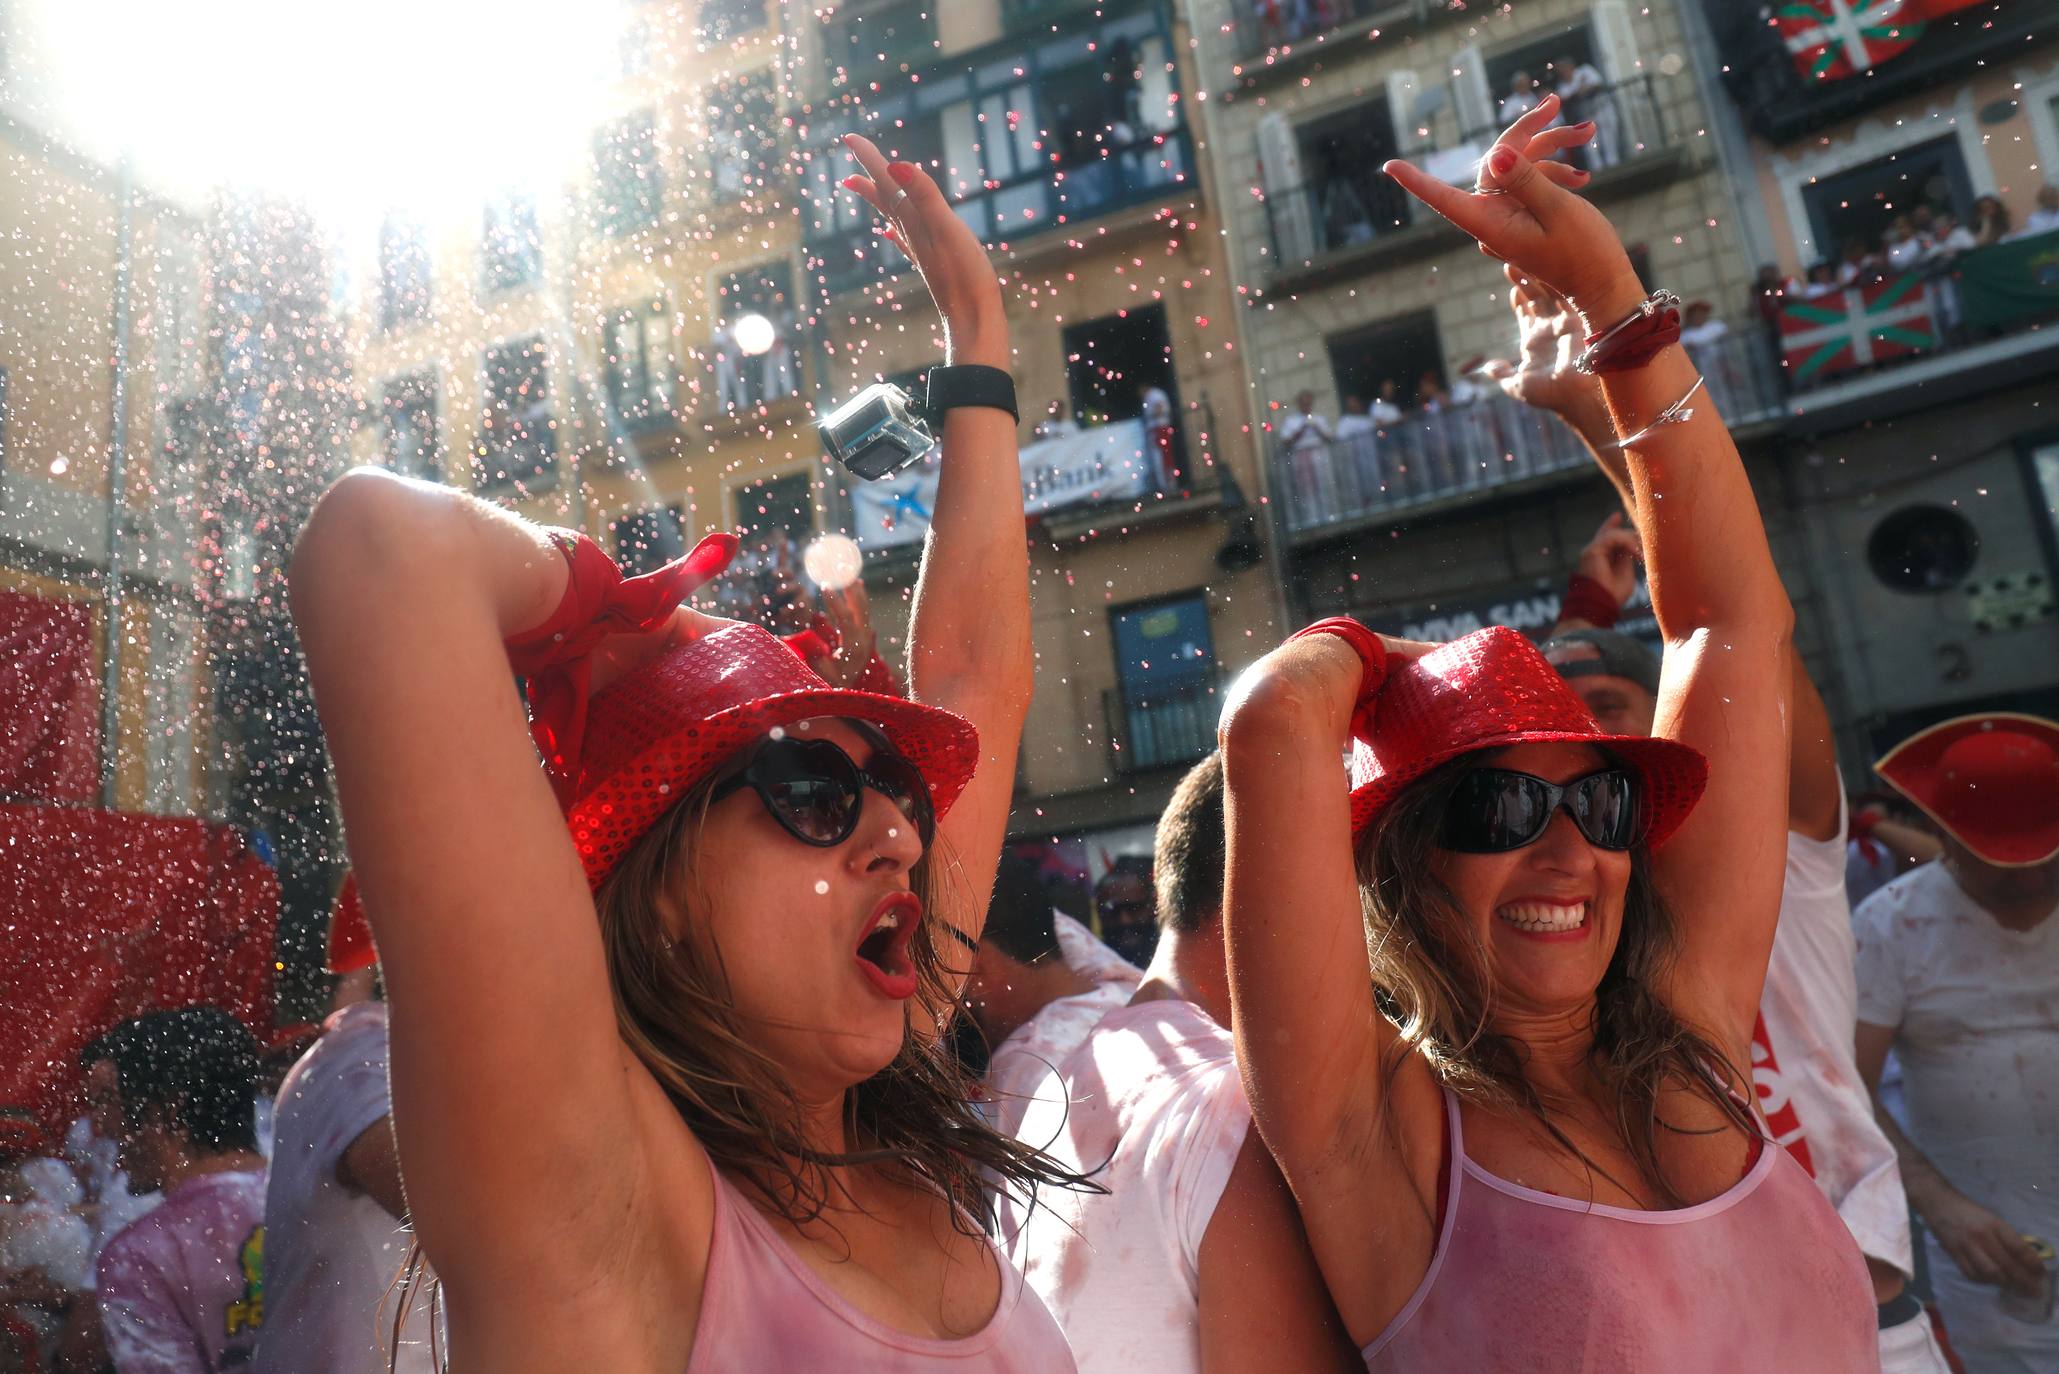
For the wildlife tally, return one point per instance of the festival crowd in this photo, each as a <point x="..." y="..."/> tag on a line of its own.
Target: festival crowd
<point x="702" y="1020"/>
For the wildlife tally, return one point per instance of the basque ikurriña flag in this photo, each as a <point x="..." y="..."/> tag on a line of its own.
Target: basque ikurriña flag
<point x="1831" y="39"/>
<point x="1856" y="326"/>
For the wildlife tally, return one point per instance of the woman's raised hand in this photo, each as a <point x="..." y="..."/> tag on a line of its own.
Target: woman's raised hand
<point x="1523" y="211"/>
<point x="949" y="256"/>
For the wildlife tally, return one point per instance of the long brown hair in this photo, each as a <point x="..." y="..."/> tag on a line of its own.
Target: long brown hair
<point x="672" y="1007"/>
<point x="1434" y="979"/>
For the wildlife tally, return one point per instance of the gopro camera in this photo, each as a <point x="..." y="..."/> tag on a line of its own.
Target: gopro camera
<point x="877" y="433"/>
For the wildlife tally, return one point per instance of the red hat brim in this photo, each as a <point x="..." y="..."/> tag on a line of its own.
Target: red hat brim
<point x="607" y="819"/>
<point x="1915" y="768"/>
<point x="1672" y="775"/>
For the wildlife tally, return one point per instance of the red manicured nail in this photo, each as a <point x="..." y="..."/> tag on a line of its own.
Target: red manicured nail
<point x="1502" y="161"/>
<point x="903" y="172"/>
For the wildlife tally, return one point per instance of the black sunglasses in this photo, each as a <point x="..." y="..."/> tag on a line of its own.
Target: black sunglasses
<point x="816" y="791"/>
<point x="1495" y="810"/>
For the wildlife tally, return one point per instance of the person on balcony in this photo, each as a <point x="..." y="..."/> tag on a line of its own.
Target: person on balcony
<point x="2045" y="218"/>
<point x="1904" y="249"/>
<point x="1386" y="409"/>
<point x="1524" y="1136"/>
<point x="1305" y="438"/>
<point x="1948" y="238"/>
<point x="778" y="362"/>
<point x="1522" y="98"/>
<point x="1701" y="328"/>
<point x="1990" y="220"/>
<point x="1056" y="424"/>
<point x="1585" y="96"/>
<point x="1345" y="219"/>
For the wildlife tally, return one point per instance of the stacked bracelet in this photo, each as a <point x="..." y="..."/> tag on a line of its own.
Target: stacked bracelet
<point x="1634" y="340"/>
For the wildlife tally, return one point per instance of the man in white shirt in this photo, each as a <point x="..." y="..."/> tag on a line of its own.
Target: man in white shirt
<point x="1958" y="966"/>
<point x="1040" y="981"/>
<point x="2045" y="218"/>
<point x="1193" y="1258"/>
<point x="1056" y="424"/>
<point x="1305" y="439"/>
<point x="1585" y="95"/>
<point x="1386" y="410"/>
<point x="1701" y="328"/>
<point x="335" y="1213"/>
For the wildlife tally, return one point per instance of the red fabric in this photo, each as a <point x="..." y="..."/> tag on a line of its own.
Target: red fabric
<point x="555" y="658"/>
<point x="50" y="699"/>
<point x="820" y="641"/>
<point x="1634" y="344"/>
<point x="1781" y="1118"/>
<point x="1372" y="664"/>
<point x="109" y="915"/>
<point x="1586" y="599"/>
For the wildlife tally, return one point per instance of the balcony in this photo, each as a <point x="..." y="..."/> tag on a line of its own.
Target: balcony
<point x="1172" y="727"/>
<point x="1492" y="446"/>
<point x="1971" y="323"/>
<point x="1359" y="220"/>
<point x="1275" y="29"/>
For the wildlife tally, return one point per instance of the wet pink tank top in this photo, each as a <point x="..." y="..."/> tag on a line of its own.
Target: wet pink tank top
<point x="1763" y="1277"/>
<point x="763" y="1308"/>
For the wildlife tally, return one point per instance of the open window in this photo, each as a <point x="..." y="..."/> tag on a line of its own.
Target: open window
<point x="756" y="361"/>
<point x="629" y="184"/>
<point x="1395" y="360"/>
<point x="742" y="118"/>
<point x="873" y="41"/>
<point x="1856" y="206"/>
<point x="1113" y="362"/>
<point x="409" y="414"/>
<point x="519" y="444"/>
<point x="1593" y="66"/>
<point x="774" y="507"/>
<point x="636" y="357"/>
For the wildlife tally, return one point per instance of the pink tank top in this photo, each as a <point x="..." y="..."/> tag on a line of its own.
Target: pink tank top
<point x="1764" y="1276"/>
<point x="763" y="1308"/>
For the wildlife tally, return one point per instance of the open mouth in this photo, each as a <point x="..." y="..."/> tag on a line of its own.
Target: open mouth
<point x="882" y="952"/>
<point x="1545" y="918"/>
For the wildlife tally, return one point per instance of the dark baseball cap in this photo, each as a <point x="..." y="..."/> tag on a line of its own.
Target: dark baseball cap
<point x="1603" y="653"/>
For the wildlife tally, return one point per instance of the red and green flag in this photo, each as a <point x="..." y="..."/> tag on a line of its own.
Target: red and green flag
<point x="1832" y="39"/>
<point x="1856" y="326"/>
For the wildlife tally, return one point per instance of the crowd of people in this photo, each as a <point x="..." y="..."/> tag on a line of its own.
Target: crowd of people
<point x="731" y="1036"/>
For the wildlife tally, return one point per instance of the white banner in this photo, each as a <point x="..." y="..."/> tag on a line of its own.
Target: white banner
<point x="1109" y="463"/>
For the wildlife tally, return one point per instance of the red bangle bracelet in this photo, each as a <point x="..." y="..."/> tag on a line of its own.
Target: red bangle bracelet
<point x="1372" y="654"/>
<point x="1634" y="340"/>
<point x="1586" y="599"/>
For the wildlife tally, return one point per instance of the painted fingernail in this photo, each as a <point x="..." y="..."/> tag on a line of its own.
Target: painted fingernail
<point x="903" y="172"/>
<point x="849" y="183"/>
<point x="1502" y="161"/>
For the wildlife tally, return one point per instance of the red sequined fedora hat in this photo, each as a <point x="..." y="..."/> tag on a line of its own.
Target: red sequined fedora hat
<point x="1992" y="782"/>
<point x="1491" y="689"/>
<point x="670" y="722"/>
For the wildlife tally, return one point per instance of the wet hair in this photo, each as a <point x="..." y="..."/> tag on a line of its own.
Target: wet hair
<point x="673" y="1008"/>
<point x="1433" y="978"/>
<point x="1188" y="857"/>
<point x="1019" y="920"/>
<point x="196" y="1066"/>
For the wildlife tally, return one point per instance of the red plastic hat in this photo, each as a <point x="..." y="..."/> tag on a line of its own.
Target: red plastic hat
<point x="1991" y="781"/>
<point x="350" y="938"/>
<point x="663" y="727"/>
<point x="1491" y="689"/>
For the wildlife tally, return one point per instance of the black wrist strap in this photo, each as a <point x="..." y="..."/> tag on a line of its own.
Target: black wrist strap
<point x="969" y="384"/>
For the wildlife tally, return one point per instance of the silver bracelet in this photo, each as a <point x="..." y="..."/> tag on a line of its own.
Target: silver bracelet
<point x="1658" y="300"/>
<point x="1671" y="415"/>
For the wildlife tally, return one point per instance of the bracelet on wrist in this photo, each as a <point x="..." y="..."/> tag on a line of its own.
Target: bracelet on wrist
<point x="1372" y="659"/>
<point x="1635" y="339"/>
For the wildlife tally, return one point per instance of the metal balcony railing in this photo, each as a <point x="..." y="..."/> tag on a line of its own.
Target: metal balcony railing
<point x="1633" y="118"/>
<point x="1471" y="449"/>
<point x="1264" y="26"/>
<point x="1168" y="727"/>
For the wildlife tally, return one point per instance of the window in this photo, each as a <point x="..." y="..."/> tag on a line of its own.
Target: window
<point x="636" y="353"/>
<point x="882" y="39"/>
<point x="519" y="447"/>
<point x="753" y="349"/>
<point x="724" y="20"/>
<point x="403" y="275"/>
<point x="1856" y="206"/>
<point x="1166" y="675"/>
<point x="1397" y="360"/>
<point x="629" y="182"/>
<point x="743" y="136"/>
<point x="776" y="505"/>
<point x="1111" y="362"/>
<point x="411" y="447"/>
<point x="1348" y="199"/>
<point x="511" y="249"/>
<point x="647" y="540"/>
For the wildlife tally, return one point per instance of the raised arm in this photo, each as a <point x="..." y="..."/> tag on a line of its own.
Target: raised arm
<point x="969" y="635"/>
<point x="1726" y="682"/>
<point x="403" y="593"/>
<point x="1312" y="1047"/>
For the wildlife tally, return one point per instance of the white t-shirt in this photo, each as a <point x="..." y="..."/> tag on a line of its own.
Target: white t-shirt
<point x="1153" y="1093"/>
<point x="1977" y="1032"/>
<point x="331" y="1255"/>
<point x="1350" y="426"/>
<point x="1299" y="432"/>
<point x="2041" y="221"/>
<point x="1021" y="1061"/>
<point x="1810" y="1011"/>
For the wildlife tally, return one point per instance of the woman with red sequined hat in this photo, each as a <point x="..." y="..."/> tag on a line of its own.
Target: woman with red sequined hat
<point x="668" y="1081"/>
<point x="1529" y="1140"/>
